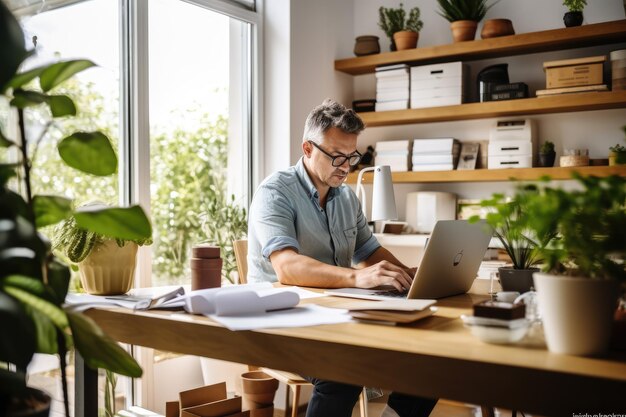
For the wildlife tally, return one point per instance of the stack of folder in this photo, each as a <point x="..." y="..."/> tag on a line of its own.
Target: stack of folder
<point x="435" y="154"/>
<point x="394" y="153"/>
<point x="392" y="87"/>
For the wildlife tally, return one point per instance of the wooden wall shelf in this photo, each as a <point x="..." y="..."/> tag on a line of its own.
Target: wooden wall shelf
<point x="492" y="175"/>
<point x="525" y="43"/>
<point x="542" y="105"/>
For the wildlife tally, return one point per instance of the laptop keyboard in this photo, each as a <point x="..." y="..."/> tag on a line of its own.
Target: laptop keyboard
<point x="393" y="293"/>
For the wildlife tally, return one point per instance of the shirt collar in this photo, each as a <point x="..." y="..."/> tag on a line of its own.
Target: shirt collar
<point x="306" y="182"/>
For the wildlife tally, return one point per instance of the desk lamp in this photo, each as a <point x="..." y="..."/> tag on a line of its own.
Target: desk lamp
<point x="383" y="199"/>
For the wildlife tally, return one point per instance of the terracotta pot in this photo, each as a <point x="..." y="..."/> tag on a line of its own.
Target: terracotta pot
<point x="613" y="158"/>
<point x="109" y="269"/>
<point x="258" y="389"/>
<point x="262" y="412"/>
<point x="493" y="28"/>
<point x="463" y="30"/>
<point x="577" y="313"/>
<point x="405" y="39"/>
<point x="366" y="45"/>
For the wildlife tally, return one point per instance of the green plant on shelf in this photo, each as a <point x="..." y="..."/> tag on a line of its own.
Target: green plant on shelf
<point x="392" y="20"/>
<point x="455" y="10"/>
<point x="546" y="148"/>
<point x="575" y="5"/>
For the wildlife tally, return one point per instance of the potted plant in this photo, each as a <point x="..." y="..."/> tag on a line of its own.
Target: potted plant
<point x="507" y="217"/>
<point x="106" y="266"/>
<point x="408" y="35"/>
<point x="574" y="17"/>
<point x="617" y="154"/>
<point x="463" y="16"/>
<point x="391" y="20"/>
<point x="33" y="282"/>
<point x="547" y="155"/>
<point x="583" y="267"/>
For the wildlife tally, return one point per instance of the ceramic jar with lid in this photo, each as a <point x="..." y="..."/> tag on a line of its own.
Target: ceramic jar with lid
<point x="366" y="45"/>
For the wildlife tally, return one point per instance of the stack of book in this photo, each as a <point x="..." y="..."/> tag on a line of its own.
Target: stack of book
<point x="394" y="153"/>
<point x="435" y="154"/>
<point x="392" y="87"/>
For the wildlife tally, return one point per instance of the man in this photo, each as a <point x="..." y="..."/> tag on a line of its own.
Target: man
<point x="306" y="228"/>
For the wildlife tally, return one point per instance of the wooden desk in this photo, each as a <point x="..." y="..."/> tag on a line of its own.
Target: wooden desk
<point x="436" y="357"/>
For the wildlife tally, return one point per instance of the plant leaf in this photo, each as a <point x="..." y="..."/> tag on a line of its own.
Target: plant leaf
<point x="4" y="141"/>
<point x="58" y="279"/>
<point x="25" y="77"/>
<point x="46" y="333"/>
<point x="7" y="171"/>
<point x="13" y="50"/>
<point x="55" y="74"/>
<point x="129" y="223"/>
<point x="98" y="349"/>
<point x="61" y="105"/>
<point x="89" y="152"/>
<point x="25" y="98"/>
<point x="52" y="311"/>
<point x="18" y="342"/>
<point x="50" y="209"/>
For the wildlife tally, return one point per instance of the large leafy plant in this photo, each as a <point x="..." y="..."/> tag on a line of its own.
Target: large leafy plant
<point x="508" y="218"/>
<point x="33" y="283"/>
<point x="454" y="10"/>
<point x="590" y="223"/>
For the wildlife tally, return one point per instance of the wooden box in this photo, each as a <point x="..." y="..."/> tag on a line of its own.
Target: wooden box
<point x="574" y="72"/>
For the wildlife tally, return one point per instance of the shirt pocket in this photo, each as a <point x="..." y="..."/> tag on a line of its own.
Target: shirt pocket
<point x="350" y="236"/>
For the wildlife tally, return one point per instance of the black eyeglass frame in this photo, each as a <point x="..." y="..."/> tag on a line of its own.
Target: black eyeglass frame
<point x="343" y="158"/>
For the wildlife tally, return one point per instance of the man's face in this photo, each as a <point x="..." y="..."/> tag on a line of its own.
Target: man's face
<point x="336" y="142"/>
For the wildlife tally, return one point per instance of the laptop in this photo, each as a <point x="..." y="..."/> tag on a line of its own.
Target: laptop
<point x="449" y="265"/>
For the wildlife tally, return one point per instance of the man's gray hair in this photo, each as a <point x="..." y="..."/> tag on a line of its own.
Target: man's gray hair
<point x="330" y="114"/>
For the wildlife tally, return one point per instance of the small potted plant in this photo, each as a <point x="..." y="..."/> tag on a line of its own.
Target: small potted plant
<point x="463" y="16"/>
<point x="403" y="34"/>
<point x="617" y="154"/>
<point x="583" y="267"/>
<point x="106" y="266"/>
<point x="574" y="17"/>
<point x="547" y="155"/>
<point x="507" y="218"/>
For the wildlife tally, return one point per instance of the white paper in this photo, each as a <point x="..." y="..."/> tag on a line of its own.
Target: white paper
<point x="301" y="316"/>
<point x="394" y="305"/>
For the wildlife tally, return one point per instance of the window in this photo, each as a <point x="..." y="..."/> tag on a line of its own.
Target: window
<point x="192" y="87"/>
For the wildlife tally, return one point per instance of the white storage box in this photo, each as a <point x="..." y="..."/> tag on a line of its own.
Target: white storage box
<point x="436" y="92"/>
<point x="435" y="102"/>
<point x="425" y="208"/>
<point x="437" y="71"/>
<point x="427" y="84"/>
<point x="499" y="162"/>
<point x="510" y="148"/>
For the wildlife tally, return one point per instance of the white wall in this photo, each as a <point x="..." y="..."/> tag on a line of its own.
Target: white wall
<point x="322" y="31"/>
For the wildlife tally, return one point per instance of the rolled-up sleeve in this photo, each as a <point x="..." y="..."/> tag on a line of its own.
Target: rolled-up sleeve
<point x="366" y="242"/>
<point x="273" y="220"/>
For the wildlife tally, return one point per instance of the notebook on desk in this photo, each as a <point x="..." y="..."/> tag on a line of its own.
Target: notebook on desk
<point x="449" y="265"/>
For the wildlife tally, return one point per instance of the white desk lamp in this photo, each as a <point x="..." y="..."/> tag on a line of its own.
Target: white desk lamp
<point x="383" y="198"/>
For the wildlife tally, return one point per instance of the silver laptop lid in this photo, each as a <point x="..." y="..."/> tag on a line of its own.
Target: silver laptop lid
<point x="451" y="260"/>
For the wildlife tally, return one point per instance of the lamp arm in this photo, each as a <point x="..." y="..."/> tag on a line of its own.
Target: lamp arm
<point x="361" y="190"/>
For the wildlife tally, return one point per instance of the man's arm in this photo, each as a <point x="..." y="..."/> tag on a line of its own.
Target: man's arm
<point x="382" y="254"/>
<point x="294" y="269"/>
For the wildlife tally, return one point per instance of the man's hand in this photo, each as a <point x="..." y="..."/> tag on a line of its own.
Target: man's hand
<point x="383" y="273"/>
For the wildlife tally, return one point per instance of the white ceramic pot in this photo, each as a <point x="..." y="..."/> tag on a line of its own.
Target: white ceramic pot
<point x="109" y="269"/>
<point x="577" y="313"/>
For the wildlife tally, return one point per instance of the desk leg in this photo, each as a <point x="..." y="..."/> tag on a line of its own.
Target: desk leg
<point x="85" y="389"/>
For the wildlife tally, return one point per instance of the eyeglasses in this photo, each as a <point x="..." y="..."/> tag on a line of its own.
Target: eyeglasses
<point x="339" y="160"/>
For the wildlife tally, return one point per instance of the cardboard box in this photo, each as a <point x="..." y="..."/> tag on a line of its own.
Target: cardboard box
<point x="574" y="72"/>
<point x="208" y="401"/>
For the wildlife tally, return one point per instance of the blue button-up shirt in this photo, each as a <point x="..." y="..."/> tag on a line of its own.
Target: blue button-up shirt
<point x="286" y="213"/>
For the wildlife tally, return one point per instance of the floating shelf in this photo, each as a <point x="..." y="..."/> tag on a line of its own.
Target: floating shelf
<point x="541" y="105"/>
<point x="491" y="175"/>
<point x="525" y="43"/>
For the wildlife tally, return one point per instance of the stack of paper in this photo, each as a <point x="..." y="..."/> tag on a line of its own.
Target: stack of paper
<point x="392" y="87"/>
<point x="394" y="153"/>
<point x="435" y="154"/>
<point x="392" y="311"/>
